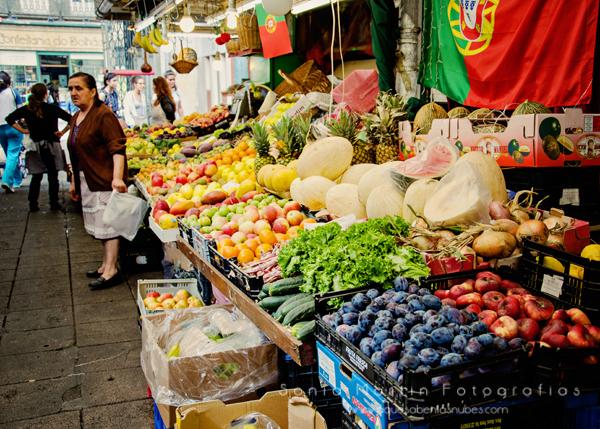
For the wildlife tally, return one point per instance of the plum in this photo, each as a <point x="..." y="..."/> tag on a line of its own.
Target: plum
<point x="516" y="343"/>
<point x="366" y="319"/>
<point x="379" y="303"/>
<point x="399" y="311"/>
<point x="410" y="348"/>
<point x="394" y="370"/>
<point x="413" y="297"/>
<point x="388" y="294"/>
<point x="377" y="359"/>
<point x="366" y="346"/>
<point x="429" y="356"/>
<point x="399" y="297"/>
<point x="432" y="302"/>
<point x="465" y="331"/>
<point x="347" y="307"/>
<point x="350" y="319"/>
<point x="385" y="313"/>
<point x="391" y="352"/>
<point x="403" y="306"/>
<point x="409" y="362"/>
<point x="360" y="301"/>
<point x="400" y="284"/>
<point x="441" y="336"/>
<point x="398" y="332"/>
<point x="410" y="319"/>
<point x="328" y="320"/>
<point x="469" y="317"/>
<point x="452" y="315"/>
<point x="451" y="359"/>
<point x="439" y="381"/>
<point x="424" y="292"/>
<point x="436" y="321"/>
<point x="454" y="327"/>
<point x="389" y="341"/>
<point x="479" y="328"/>
<point x="416" y="305"/>
<point x="371" y="309"/>
<point x="421" y="340"/>
<point x="419" y="327"/>
<point x="500" y="344"/>
<point x="473" y="349"/>
<point x="372" y="293"/>
<point x="413" y="288"/>
<point x="419" y="316"/>
<point x="423" y="369"/>
<point x="342" y="329"/>
<point x="486" y="340"/>
<point x="458" y="344"/>
<point x="380" y="336"/>
<point x="354" y="335"/>
<point x="372" y="331"/>
<point x="384" y="323"/>
<point x="442" y="350"/>
<point x="390" y="306"/>
<point x="428" y="314"/>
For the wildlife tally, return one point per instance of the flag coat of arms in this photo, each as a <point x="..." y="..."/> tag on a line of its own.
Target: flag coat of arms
<point x="274" y="34"/>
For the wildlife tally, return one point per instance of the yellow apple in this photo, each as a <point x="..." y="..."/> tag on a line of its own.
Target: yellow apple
<point x="182" y="295"/>
<point x="180" y="304"/>
<point x="168" y="303"/>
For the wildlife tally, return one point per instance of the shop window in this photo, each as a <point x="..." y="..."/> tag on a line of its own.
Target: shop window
<point x="22" y="76"/>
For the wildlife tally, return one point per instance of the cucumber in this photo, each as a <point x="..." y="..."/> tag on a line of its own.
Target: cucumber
<point x="287" y="306"/>
<point x="303" y="330"/>
<point x="272" y="303"/>
<point x="284" y="289"/>
<point x="299" y="313"/>
<point x="262" y="295"/>
<point x="283" y="282"/>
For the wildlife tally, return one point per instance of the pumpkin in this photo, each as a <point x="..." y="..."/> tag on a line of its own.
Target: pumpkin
<point x="425" y="116"/>
<point x="328" y="157"/>
<point x="488" y="168"/>
<point x="311" y="192"/>
<point x="355" y="172"/>
<point x="385" y="200"/>
<point x="342" y="200"/>
<point x="374" y="177"/>
<point x="416" y="196"/>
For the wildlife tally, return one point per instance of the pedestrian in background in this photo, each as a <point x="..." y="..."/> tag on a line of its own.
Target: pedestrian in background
<point x="10" y="139"/>
<point x="163" y="104"/>
<point x="109" y="94"/>
<point x="97" y="148"/>
<point x="45" y="154"/>
<point x="135" y="107"/>
<point x="170" y="76"/>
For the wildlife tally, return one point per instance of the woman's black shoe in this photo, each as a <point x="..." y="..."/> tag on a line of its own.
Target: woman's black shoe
<point x="94" y="274"/>
<point x="102" y="283"/>
<point x="33" y="209"/>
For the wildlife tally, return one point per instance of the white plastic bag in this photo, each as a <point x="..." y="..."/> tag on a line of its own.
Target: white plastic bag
<point x="125" y="213"/>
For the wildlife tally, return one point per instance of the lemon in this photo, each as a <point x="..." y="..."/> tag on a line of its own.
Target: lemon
<point x="591" y="252"/>
<point x="553" y="264"/>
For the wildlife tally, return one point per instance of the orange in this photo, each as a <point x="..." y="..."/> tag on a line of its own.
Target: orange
<point x="252" y="243"/>
<point x="241" y="246"/>
<point x="263" y="248"/>
<point x="267" y="236"/>
<point x="293" y="231"/>
<point x="245" y="256"/>
<point x="242" y="145"/>
<point x="229" y="252"/>
<point x="281" y="237"/>
<point x="226" y="242"/>
<point x="305" y="221"/>
<point x="227" y="159"/>
<point x="219" y="162"/>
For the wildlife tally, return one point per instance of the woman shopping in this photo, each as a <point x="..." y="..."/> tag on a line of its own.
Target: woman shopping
<point x="10" y="139"/>
<point x="97" y="149"/>
<point x="46" y="155"/>
<point x="163" y="104"/>
<point x="134" y="105"/>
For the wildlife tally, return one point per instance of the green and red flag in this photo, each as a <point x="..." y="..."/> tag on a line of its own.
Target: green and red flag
<point x="499" y="53"/>
<point x="274" y="33"/>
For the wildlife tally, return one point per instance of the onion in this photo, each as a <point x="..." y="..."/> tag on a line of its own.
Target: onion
<point x="555" y="223"/>
<point x="423" y="243"/>
<point x="498" y="211"/>
<point x="466" y="251"/>
<point x="506" y="225"/>
<point x="519" y="215"/>
<point x="534" y="230"/>
<point x="555" y="240"/>
<point x="495" y="244"/>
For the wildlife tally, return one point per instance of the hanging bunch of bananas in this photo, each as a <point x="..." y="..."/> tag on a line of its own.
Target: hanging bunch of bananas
<point x="150" y="41"/>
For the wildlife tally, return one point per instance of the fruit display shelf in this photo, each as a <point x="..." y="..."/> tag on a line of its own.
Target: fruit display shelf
<point x="301" y="353"/>
<point x="250" y="285"/>
<point x="143" y="191"/>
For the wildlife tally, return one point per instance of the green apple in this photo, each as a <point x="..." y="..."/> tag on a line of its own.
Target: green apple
<point x="223" y="211"/>
<point x="205" y="221"/>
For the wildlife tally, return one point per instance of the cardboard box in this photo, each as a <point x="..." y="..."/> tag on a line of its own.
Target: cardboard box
<point x="168" y="414"/>
<point x="290" y="409"/>
<point x="576" y="236"/>
<point x="520" y="144"/>
<point x="224" y="375"/>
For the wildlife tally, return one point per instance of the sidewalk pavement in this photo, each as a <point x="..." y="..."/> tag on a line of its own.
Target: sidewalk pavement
<point x="69" y="357"/>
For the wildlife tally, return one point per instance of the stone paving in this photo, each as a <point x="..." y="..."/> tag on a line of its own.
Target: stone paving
<point x="69" y="357"/>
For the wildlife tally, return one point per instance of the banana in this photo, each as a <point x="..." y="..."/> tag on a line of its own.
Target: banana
<point x="137" y="40"/>
<point x="160" y="37"/>
<point x="152" y="37"/>
<point x="147" y="46"/>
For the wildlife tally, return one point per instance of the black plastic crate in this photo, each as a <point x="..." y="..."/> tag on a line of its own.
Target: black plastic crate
<point x="185" y="232"/>
<point x="251" y="286"/>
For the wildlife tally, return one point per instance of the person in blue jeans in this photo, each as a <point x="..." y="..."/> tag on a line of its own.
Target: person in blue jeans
<point x="10" y="139"/>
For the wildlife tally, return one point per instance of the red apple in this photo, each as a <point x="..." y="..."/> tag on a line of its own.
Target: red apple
<point x="157" y="180"/>
<point x="473" y="308"/>
<point x="181" y="179"/>
<point x="281" y="225"/>
<point x="248" y="196"/>
<point x="230" y="228"/>
<point x="193" y="176"/>
<point x="492" y="299"/>
<point x="269" y="213"/>
<point x="517" y="291"/>
<point x="158" y="214"/>
<point x="538" y="308"/>
<point x="152" y="294"/>
<point x="509" y="306"/>
<point x="528" y="329"/>
<point x="488" y="317"/>
<point x="507" y="285"/>
<point x="460" y="290"/>
<point x="560" y="315"/>
<point x="449" y="302"/>
<point x="505" y="327"/>
<point x="192" y="211"/>
<point x="555" y="327"/>
<point x="579" y="337"/>
<point x="558" y="341"/>
<point x="294" y="217"/>
<point x="442" y="293"/>
<point x="160" y="205"/>
<point x="470" y="298"/>
<point x="487" y="282"/>
<point x="488" y="275"/>
<point x="594" y="331"/>
<point x="578" y="316"/>
<point x="291" y="206"/>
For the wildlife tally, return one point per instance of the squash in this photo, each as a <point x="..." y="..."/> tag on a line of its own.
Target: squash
<point x="342" y="200"/>
<point x="355" y="172"/>
<point x="375" y="177"/>
<point x="385" y="200"/>
<point x="328" y="157"/>
<point x="311" y="192"/>
<point x="490" y="172"/>
<point x="416" y="196"/>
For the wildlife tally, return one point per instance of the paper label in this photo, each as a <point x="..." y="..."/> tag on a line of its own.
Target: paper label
<point x="552" y="285"/>
<point x="327" y="367"/>
<point x="570" y="196"/>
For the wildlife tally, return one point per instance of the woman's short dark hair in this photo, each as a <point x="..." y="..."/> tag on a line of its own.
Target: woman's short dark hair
<point x="5" y="80"/>
<point x="90" y="82"/>
<point x="108" y="77"/>
<point x="135" y="79"/>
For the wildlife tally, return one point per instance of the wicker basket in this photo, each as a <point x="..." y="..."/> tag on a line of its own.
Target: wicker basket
<point x="306" y="78"/>
<point x="182" y="62"/>
<point x="248" y="31"/>
<point x="233" y="46"/>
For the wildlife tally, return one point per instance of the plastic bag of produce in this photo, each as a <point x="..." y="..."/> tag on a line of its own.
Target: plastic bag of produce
<point x="461" y="197"/>
<point x="125" y="213"/>
<point x="359" y="90"/>
<point x="254" y="421"/>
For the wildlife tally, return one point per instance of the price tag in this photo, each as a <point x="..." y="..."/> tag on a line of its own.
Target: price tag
<point x="570" y="196"/>
<point x="327" y="367"/>
<point x="552" y="285"/>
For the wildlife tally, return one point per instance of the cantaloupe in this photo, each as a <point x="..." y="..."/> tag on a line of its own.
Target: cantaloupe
<point x="311" y="192"/>
<point x="458" y="112"/>
<point x="355" y="172"/>
<point x="425" y="116"/>
<point x="377" y="176"/>
<point x="342" y="200"/>
<point x="329" y="157"/>
<point x="416" y="196"/>
<point x="490" y="172"/>
<point x="385" y="200"/>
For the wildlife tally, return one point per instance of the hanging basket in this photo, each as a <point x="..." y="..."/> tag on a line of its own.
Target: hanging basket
<point x="185" y="61"/>
<point x="233" y="46"/>
<point x="248" y="32"/>
<point x="306" y="78"/>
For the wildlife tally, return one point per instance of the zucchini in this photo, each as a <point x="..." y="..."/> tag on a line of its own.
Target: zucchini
<point x="303" y="330"/>
<point x="283" y="282"/>
<point x="284" y="289"/>
<point x="299" y="313"/>
<point x="287" y="306"/>
<point x="262" y="295"/>
<point x="272" y="303"/>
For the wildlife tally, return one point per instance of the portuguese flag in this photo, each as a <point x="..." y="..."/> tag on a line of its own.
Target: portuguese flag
<point x="499" y="53"/>
<point x="274" y="33"/>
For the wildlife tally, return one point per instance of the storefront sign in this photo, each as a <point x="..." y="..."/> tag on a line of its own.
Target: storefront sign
<point x="37" y="38"/>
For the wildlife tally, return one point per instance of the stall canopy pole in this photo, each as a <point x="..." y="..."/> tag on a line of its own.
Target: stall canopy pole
<point x="384" y="34"/>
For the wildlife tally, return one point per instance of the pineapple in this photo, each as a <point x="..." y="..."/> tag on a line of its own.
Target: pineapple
<point x="262" y="144"/>
<point x="346" y="126"/>
<point x="290" y="140"/>
<point x="383" y="127"/>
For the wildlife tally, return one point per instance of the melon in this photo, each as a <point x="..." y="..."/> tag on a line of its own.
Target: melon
<point x="425" y="116"/>
<point x="329" y="157"/>
<point x="490" y="172"/>
<point x="529" y="107"/>
<point x="416" y="196"/>
<point x="311" y="192"/>
<point x="385" y="200"/>
<point x="375" y="177"/>
<point x="483" y="113"/>
<point x="458" y="112"/>
<point x="342" y="200"/>
<point x="355" y="172"/>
